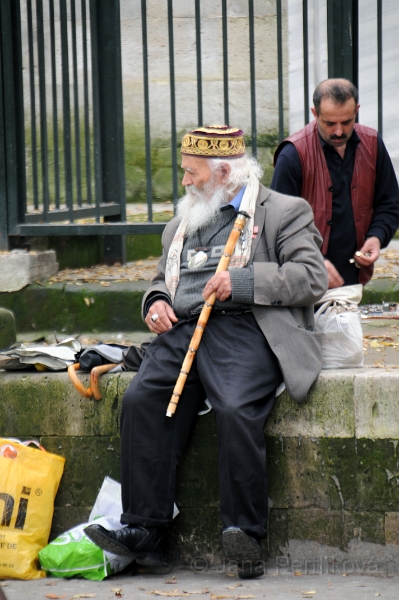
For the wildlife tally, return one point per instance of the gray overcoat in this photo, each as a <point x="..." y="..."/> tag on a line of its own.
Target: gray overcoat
<point x="289" y="277"/>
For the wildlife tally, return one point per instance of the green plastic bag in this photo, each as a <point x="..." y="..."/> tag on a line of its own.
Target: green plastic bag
<point x="73" y="554"/>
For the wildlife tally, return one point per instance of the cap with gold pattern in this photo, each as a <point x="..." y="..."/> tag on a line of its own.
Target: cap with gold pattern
<point x="214" y="141"/>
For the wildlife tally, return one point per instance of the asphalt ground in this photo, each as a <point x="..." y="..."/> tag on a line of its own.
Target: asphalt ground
<point x="184" y="583"/>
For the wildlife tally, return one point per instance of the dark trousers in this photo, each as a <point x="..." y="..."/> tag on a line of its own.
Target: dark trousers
<point x="236" y="370"/>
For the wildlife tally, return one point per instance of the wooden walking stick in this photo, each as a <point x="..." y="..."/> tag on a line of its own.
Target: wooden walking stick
<point x="238" y="226"/>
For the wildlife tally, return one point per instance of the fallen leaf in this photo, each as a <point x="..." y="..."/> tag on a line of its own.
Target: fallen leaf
<point x="344" y="574"/>
<point x="171" y="580"/>
<point x="243" y="597"/>
<point x="173" y="594"/>
<point x="55" y="596"/>
<point x="297" y="573"/>
<point x="215" y="597"/>
<point x="87" y="300"/>
<point x="233" y="587"/>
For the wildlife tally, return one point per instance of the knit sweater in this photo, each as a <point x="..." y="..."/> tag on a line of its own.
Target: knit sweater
<point x="212" y="239"/>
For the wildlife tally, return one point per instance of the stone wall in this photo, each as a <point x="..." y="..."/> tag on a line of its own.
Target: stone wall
<point x="333" y="467"/>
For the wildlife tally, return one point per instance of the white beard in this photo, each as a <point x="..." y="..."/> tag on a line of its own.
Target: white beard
<point x="199" y="208"/>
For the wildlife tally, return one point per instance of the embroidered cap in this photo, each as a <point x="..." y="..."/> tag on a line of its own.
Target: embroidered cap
<point x="214" y="141"/>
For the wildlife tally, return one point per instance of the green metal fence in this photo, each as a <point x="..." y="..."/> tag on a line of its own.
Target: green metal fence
<point x="62" y="166"/>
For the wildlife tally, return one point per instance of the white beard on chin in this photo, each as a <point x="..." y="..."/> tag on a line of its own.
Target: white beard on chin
<point x="199" y="208"/>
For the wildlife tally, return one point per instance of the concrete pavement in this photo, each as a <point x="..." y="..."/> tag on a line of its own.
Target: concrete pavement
<point x="182" y="583"/>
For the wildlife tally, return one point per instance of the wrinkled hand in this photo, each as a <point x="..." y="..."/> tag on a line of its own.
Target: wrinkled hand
<point x="166" y="317"/>
<point x="372" y="247"/>
<point x="220" y="284"/>
<point x="334" y="278"/>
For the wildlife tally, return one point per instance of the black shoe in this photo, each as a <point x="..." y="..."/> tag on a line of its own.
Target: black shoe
<point x="246" y="550"/>
<point x="147" y="546"/>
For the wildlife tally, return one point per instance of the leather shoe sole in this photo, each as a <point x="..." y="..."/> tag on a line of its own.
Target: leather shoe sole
<point x="244" y="549"/>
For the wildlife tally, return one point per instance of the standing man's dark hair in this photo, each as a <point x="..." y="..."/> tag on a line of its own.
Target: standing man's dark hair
<point x="337" y="90"/>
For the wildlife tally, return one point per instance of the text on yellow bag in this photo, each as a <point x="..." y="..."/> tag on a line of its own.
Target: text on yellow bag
<point x="29" y="480"/>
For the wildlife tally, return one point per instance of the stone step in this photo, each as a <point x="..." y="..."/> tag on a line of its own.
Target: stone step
<point x="116" y="307"/>
<point x="70" y="308"/>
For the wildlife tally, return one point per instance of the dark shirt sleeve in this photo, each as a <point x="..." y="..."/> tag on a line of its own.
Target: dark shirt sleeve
<point x="153" y="298"/>
<point x="385" y="221"/>
<point x="287" y="176"/>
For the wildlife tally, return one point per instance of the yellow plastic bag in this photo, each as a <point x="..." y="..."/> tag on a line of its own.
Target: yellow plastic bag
<point x="29" y="480"/>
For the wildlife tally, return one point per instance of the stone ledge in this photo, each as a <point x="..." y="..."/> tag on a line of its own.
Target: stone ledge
<point x="332" y="462"/>
<point x="19" y="268"/>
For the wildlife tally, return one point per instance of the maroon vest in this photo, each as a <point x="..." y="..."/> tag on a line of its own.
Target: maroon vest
<point x="317" y="184"/>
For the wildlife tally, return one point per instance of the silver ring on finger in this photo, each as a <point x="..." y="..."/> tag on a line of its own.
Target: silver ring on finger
<point x="154" y="317"/>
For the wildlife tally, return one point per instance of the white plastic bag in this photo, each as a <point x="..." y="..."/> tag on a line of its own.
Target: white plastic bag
<point x="338" y="320"/>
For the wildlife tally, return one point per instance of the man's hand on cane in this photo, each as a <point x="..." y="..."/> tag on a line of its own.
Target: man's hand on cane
<point x="160" y="317"/>
<point x="220" y="284"/>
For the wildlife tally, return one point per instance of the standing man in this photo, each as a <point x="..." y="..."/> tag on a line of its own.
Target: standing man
<point x="344" y="171"/>
<point x="260" y="332"/>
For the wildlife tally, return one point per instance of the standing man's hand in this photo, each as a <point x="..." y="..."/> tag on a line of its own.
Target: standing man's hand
<point x="369" y="252"/>
<point x="164" y="316"/>
<point x="334" y="278"/>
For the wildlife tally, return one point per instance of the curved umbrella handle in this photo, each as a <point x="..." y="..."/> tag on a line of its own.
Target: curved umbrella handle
<point x="95" y="374"/>
<point x="86" y="392"/>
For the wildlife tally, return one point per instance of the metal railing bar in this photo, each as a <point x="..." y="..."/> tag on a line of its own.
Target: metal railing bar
<point x="146" y="109"/>
<point x="35" y="183"/>
<point x="251" y="25"/>
<point x="76" y="106"/>
<point x="66" y="109"/>
<point x="43" y="108"/>
<point x="3" y="184"/>
<point x="84" y="212"/>
<point x="172" y="102"/>
<point x="95" y="229"/>
<point x="379" y="64"/>
<point x="199" y="64"/>
<point x="55" y="107"/>
<point x="96" y="109"/>
<point x="225" y="64"/>
<point x="305" y="29"/>
<point x="280" y="72"/>
<point x="86" y="104"/>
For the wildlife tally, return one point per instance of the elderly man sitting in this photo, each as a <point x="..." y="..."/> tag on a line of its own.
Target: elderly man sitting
<point x="259" y="334"/>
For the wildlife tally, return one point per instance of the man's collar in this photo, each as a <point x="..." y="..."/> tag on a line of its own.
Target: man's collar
<point x="236" y="201"/>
